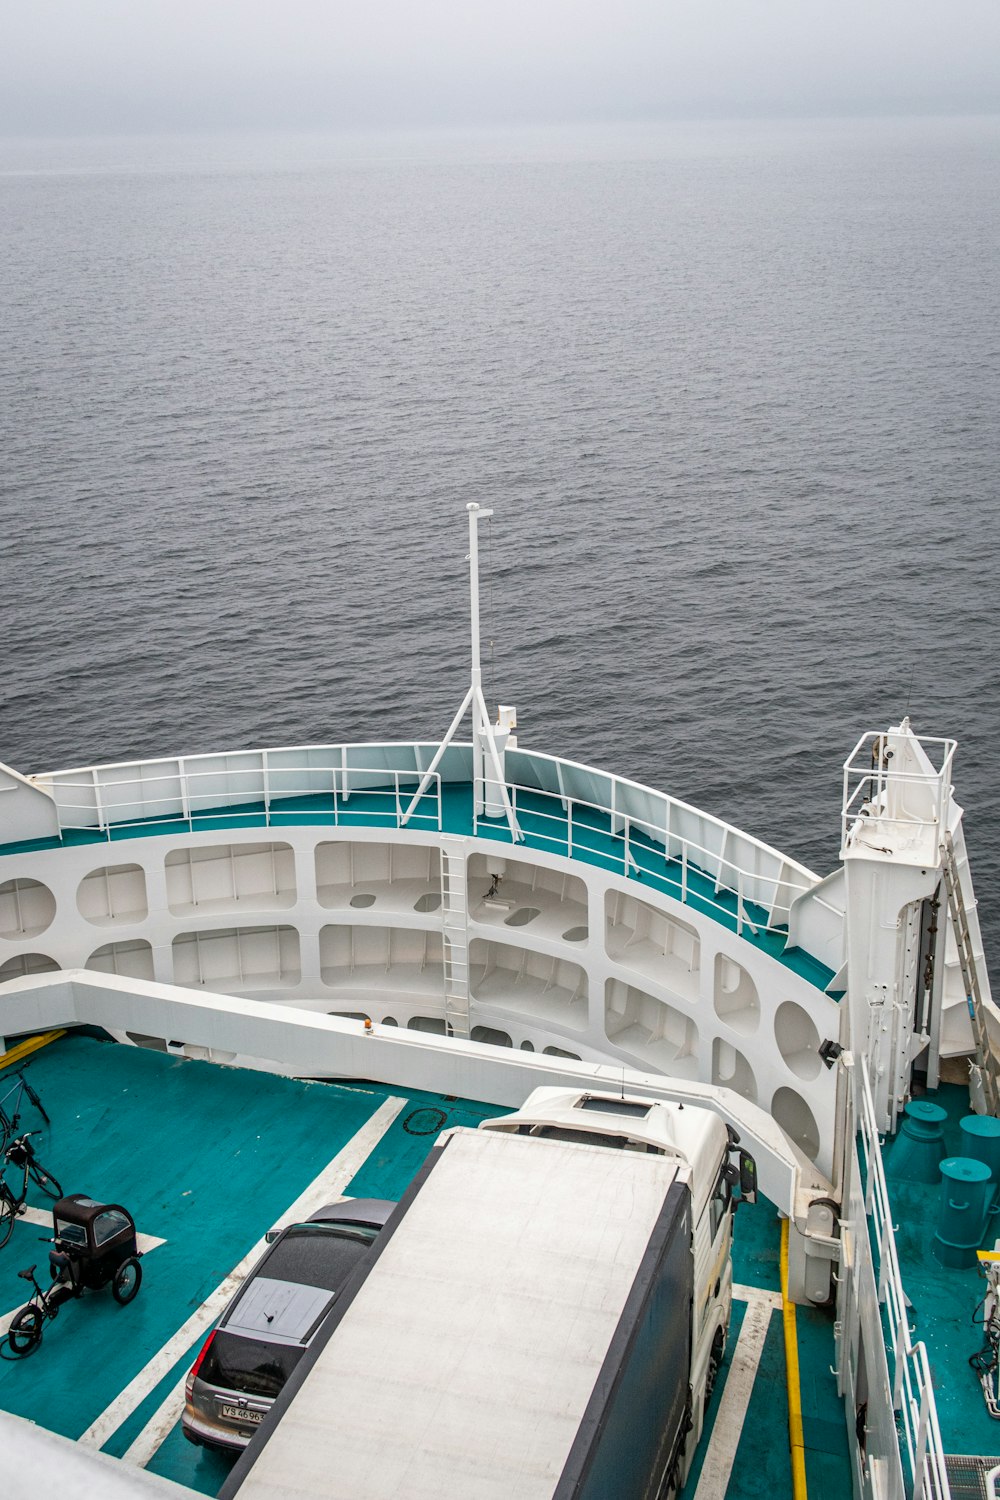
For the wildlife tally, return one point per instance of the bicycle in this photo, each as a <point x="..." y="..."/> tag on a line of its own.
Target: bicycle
<point x="20" y="1153"/>
<point x="25" y="1331"/>
<point x="94" y="1246"/>
<point x="10" y="1117"/>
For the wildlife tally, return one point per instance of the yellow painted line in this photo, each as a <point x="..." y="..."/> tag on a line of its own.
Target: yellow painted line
<point x="796" y="1440"/>
<point x="25" y="1049"/>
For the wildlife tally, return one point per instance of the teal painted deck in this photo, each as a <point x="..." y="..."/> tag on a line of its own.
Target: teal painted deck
<point x="543" y="823"/>
<point x="207" y="1158"/>
<point x="762" y="1469"/>
<point x="944" y="1299"/>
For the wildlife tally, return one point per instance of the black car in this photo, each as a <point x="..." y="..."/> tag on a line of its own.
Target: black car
<point x="273" y="1318"/>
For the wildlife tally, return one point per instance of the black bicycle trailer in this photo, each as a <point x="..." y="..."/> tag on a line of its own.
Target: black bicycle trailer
<point x="95" y="1245"/>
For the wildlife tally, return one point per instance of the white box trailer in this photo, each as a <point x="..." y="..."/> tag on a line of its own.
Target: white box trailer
<point x="527" y="1328"/>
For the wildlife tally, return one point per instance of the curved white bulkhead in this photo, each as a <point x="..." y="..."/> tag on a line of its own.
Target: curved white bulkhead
<point x="351" y="914"/>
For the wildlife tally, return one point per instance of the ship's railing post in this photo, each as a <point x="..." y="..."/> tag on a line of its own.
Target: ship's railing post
<point x="102" y="822"/>
<point x="920" y="1447"/>
<point x="897" y="1377"/>
<point x="58" y="810"/>
<point x="185" y="794"/>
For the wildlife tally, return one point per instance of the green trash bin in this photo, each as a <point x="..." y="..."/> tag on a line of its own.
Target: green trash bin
<point x="966" y="1192"/>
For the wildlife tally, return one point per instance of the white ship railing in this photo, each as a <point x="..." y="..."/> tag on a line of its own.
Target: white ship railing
<point x="875" y="788"/>
<point x="911" y="1387"/>
<point x="687" y="860"/>
<point x="742" y="881"/>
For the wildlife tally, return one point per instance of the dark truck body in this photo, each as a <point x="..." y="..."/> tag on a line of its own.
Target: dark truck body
<point x="631" y="1439"/>
<point x="524" y="1330"/>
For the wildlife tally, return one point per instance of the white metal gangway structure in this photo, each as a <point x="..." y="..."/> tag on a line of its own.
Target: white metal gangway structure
<point x="914" y="975"/>
<point x="916" y="991"/>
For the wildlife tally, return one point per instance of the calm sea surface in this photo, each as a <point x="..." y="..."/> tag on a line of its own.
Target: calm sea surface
<point x="733" y="391"/>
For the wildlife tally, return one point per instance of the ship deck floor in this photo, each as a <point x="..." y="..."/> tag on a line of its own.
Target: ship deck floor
<point x="944" y="1298"/>
<point x="207" y="1158"/>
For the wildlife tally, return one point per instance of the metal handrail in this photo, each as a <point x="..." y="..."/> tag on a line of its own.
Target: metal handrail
<point x="174" y="764"/>
<point x="193" y="803"/>
<point x="947" y="746"/>
<point x="196" y="785"/>
<point x="912" y="1386"/>
<point x="571" y="837"/>
<point x="866" y="783"/>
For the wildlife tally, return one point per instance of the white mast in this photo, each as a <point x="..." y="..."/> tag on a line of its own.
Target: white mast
<point x="480" y="717"/>
<point x="482" y="730"/>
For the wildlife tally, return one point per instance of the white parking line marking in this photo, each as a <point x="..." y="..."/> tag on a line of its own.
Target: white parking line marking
<point x="722" y="1445"/>
<point x="158" y="1428"/>
<point x="323" y="1189"/>
<point x="756" y="1294"/>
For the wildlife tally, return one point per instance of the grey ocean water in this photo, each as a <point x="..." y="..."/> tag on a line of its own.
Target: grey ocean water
<point x="731" y="389"/>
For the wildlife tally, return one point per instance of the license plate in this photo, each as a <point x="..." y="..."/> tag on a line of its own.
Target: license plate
<point x="240" y="1413"/>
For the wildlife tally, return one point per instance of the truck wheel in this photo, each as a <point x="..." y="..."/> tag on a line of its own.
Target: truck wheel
<point x="715" y="1359"/>
<point x="127" y="1281"/>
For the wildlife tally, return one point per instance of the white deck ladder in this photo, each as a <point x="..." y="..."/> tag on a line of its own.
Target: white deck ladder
<point x="455" y="921"/>
<point x="986" y="1062"/>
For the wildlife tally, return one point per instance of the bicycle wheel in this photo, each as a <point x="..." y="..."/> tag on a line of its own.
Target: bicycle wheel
<point x="44" y="1179"/>
<point x="127" y="1281"/>
<point x="6" y="1217"/>
<point x="25" y="1332"/>
<point x="36" y="1101"/>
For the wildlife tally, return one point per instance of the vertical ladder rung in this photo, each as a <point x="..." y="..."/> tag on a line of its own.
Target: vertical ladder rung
<point x="455" y="931"/>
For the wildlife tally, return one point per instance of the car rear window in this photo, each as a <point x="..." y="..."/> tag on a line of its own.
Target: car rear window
<point x="314" y="1256"/>
<point x="239" y="1364"/>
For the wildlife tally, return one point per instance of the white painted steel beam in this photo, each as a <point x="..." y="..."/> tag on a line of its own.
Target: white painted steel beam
<point x="281" y="1039"/>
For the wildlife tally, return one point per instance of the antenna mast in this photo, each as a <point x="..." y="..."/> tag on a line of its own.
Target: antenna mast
<point x="482" y="731"/>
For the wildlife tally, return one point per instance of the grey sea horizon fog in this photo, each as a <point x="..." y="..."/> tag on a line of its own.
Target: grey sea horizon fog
<point x="111" y="66"/>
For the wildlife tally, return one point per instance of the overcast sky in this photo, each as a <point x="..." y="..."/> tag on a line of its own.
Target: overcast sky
<point x="96" y="66"/>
